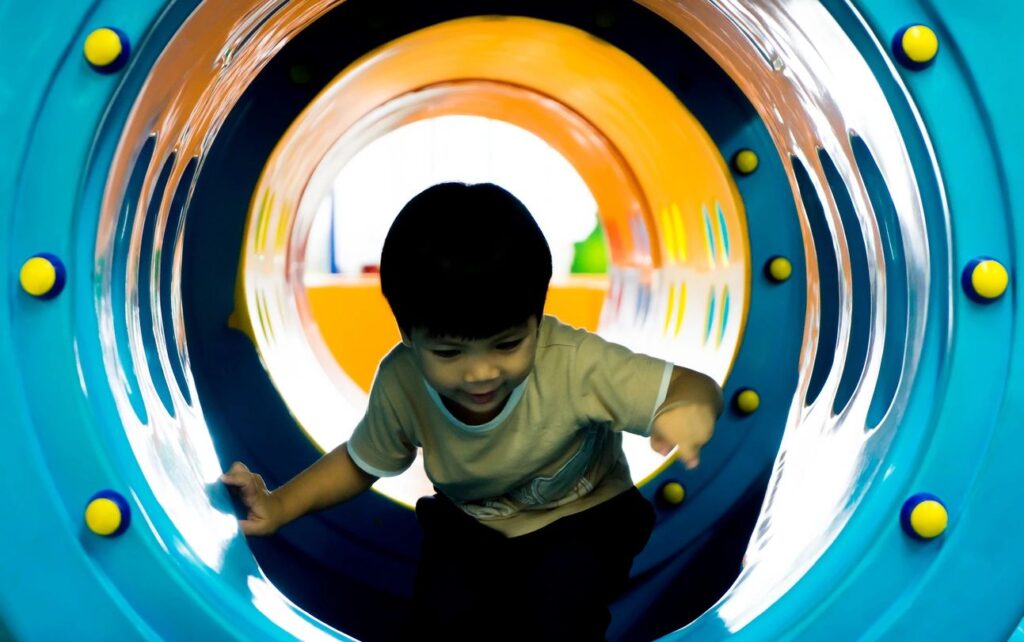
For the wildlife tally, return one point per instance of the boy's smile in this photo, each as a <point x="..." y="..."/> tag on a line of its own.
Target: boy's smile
<point x="475" y="377"/>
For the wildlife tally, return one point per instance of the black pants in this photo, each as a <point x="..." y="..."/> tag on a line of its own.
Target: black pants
<point x="473" y="583"/>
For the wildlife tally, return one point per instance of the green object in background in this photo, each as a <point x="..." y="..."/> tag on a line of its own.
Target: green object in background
<point x="591" y="254"/>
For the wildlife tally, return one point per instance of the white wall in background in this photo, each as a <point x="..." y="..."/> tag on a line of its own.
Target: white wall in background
<point x="383" y="177"/>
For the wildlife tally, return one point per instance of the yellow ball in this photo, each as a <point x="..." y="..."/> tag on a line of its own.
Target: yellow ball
<point x="748" y="401"/>
<point x="673" y="493"/>
<point x="38" y="276"/>
<point x="780" y="269"/>
<point x="929" y="519"/>
<point x="745" y="162"/>
<point x="102" y="47"/>
<point x="920" y="44"/>
<point x="990" y="279"/>
<point x="103" y="516"/>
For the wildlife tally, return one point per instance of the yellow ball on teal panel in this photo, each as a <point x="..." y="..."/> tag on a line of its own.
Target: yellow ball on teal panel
<point x="915" y="46"/>
<point x="747" y="401"/>
<point x="107" y="49"/>
<point x="107" y="513"/>
<point x="103" y="516"/>
<point x="42" y="276"/>
<point x="920" y="43"/>
<point x="985" y="279"/>
<point x="929" y="519"/>
<point x="745" y="161"/>
<point x="779" y="269"/>
<point x="924" y="516"/>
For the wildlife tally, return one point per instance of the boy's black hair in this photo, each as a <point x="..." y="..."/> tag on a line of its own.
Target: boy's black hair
<point x="465" y="261"/>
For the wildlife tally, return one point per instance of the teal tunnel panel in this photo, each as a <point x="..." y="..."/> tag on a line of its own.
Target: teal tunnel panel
<point x="63" y="437"/>
<point x="182" y="572"/>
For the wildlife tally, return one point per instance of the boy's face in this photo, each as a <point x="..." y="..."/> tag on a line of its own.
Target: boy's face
<point x="475" y="378"/>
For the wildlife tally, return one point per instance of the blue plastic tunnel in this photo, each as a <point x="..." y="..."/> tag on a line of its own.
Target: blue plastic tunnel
<point x="864" y="484"/>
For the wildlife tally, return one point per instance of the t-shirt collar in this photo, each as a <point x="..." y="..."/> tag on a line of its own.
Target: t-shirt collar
<point x="513" y="400"/>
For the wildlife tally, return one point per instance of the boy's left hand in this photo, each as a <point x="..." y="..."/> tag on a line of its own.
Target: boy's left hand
<point x="687" y="427"/>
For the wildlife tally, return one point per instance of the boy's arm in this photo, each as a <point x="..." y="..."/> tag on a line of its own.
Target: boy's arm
<point x="331" y="480"/>
<point x="686" y="419"/>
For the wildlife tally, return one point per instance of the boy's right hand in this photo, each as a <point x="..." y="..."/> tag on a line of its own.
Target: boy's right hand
<point x="264" y="516"/>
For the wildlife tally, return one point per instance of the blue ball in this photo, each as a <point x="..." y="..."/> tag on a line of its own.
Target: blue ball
<point x="61" y="275"/>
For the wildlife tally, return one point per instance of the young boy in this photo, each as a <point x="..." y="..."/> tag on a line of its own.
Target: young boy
<point x="519" y="417"/>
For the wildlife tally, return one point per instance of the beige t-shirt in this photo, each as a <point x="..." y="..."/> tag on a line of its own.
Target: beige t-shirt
<point x="554" y="449"/>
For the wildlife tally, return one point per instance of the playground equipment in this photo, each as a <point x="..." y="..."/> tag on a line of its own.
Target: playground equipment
<point x="835" y="238"/>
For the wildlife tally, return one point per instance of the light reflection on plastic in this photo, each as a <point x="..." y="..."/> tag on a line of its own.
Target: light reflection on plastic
<point x="812" y="88"/>
<point x="279" y="610"/>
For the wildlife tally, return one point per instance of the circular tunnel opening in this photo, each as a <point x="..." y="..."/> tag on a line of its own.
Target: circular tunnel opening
<point x="648" y="162"/>
<point x="679" y="295"/>
<point x="223" y="396"/>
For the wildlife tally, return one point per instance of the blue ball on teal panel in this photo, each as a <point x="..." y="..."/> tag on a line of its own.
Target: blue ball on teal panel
<point x="924" y="516"/>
